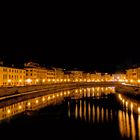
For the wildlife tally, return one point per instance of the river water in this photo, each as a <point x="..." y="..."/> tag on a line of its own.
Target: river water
<point x="85" y="113"/>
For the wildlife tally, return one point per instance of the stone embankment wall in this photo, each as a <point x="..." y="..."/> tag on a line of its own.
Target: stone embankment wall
<point x="4" y="91"/>
<point x="132" y="91"/>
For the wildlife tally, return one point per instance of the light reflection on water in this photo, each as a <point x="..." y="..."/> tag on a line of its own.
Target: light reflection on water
<point x="139" y="126"/>
<point x="125" y="116"/>
<point x="96" y="106"/>
<point x="31" y="104"/>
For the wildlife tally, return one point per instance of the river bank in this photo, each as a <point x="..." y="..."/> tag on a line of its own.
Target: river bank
<point x="6" y="91"/>
<point x="128" y="90"/>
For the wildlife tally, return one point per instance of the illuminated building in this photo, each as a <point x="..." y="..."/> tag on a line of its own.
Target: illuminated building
<point x="75" y="76"/>
<point x="133" y="76"/>
<point x="36" y="75"/>
<point x="119" y="77"/>
<point x="10" y="76"/>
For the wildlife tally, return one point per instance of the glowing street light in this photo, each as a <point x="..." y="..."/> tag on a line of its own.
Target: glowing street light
<point x="43" y="80"/>
<point x="9" y="80"/>
<point x="28" y="81"/>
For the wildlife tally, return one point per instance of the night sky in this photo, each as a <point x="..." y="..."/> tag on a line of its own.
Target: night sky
<point x="94" y="41"/>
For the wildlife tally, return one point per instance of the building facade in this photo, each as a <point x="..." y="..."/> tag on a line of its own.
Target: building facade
<point x="37" y="75"/>
<point x="133" y="75"/>
<point x="10" y="76"/>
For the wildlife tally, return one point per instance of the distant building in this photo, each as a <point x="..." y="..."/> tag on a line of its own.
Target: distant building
<point x="76" y="76"/>
<point x="119" y="77"/>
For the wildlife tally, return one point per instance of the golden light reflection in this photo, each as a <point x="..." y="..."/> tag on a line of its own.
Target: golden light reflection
<point x="111" y="114"/>
<point x="98" y="114"/>
<point x="102" y="115"/>
<point x="68" y="109"/>
<point x="30" y="104"/>
<point x="107" y="115"/>
<point x="80" y="109"/>
<point x="126" y="103"/>
<point x="76" y="111"/>
<point x="93" y="113"/>
<point x="89" y="112"/>
<point x="127" y="125"/>
<point x="139" y="126"/>
<point x="133" y="129"/>
<point x="131" y="106"/>
<point x="85" y="110"/>
<point x="120" y="118"/>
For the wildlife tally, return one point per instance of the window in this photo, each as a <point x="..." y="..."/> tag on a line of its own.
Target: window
<point x="4" y="69"/>
<point x="4" y="76"/>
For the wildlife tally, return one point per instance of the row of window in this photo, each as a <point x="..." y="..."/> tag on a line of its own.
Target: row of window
<point x="12" y="70"/>
<point x="42" y="71"/>
<point x="12" y="76"/>
<point x="12" y="83"/>
<point x="27" y="74"/>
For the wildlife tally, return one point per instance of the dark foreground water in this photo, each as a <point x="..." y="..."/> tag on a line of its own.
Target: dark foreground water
<point x="94" y="116"/>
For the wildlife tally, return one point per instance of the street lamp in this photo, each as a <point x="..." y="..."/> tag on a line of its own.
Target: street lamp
<point x="29" y="81"/>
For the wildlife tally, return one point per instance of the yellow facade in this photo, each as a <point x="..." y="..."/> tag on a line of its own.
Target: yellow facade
<point x="12" y="76"/>
<point x="133" y="76"/>
<point x="37" y="76"/>
<point x="119" y="77"/>
<point x="60" y="76"/>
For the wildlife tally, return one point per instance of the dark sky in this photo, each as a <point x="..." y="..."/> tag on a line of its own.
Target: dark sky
<point x="105" y="41"/>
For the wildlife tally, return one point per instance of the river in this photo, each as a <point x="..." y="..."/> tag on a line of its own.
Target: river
<point x="90" y="113"/>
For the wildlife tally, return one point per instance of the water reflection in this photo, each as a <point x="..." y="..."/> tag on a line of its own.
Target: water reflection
<point x="130" y="105"/>
<point x="96" y="105"/>
<point x="139" y="126"/>
<point x="32" y="104"/>
<point x="99" y="109"/>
